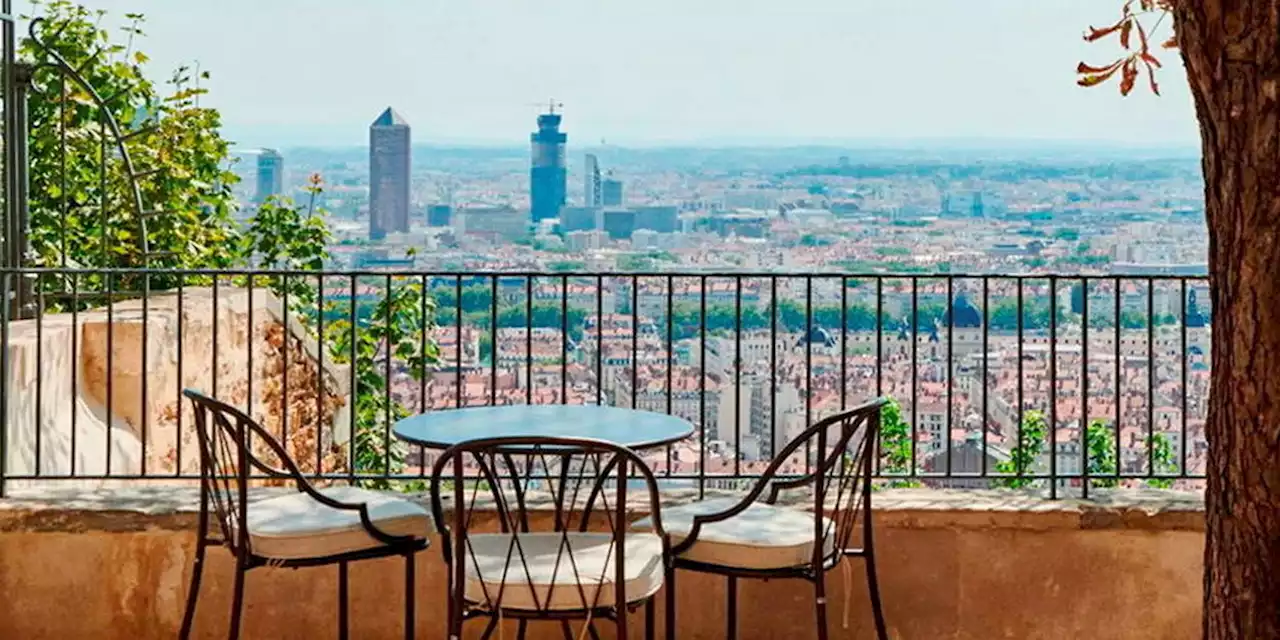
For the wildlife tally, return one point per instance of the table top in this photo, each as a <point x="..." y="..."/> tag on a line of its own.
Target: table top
<point x="630" y="428"/>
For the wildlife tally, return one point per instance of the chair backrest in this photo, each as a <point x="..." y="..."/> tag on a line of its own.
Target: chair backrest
<point x="228" y="438"/>
<point x="556" y="487"/>
<point x="839" y="480"/>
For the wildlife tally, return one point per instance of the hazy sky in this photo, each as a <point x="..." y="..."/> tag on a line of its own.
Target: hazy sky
<point x="290" y="72"/>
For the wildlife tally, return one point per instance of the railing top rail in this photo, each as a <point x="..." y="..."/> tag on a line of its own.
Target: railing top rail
<point x="527" y="273"/>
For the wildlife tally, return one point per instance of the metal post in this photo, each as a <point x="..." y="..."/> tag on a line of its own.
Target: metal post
<point x="6" y="95"/>
<point x="25" y="306"/>
<point x="4" y="380"/>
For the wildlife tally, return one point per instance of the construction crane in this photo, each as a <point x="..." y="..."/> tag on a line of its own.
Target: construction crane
<point x="551" y="105"/>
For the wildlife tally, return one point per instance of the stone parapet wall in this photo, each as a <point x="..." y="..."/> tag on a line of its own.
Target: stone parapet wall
<point x="953" y="565"/>
<point x="97" y="393"/>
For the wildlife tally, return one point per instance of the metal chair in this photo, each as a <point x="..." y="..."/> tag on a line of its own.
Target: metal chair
<point x="753" y="538"/>
<point x="567" y="569"/>
<point x="335" y="525"/>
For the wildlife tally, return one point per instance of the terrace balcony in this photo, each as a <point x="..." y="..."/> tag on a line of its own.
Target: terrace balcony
<point x="1098" y="534"/>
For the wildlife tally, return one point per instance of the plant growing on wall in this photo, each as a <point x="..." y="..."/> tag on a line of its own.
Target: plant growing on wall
<point x="1163" y="457"/>
<point x="390" y="341"/>
<point x="1024" y="455"/>
<point x="1100" y="444"/>
<point x="895" y="444"/>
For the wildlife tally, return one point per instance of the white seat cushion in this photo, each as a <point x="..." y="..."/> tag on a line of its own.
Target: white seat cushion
<point x="763" y="536"/>
<point x="593" y="558"/>
<point x="297" y="526"/>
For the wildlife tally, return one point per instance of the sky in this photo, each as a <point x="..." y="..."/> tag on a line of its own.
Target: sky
<point x="661" y="72"/>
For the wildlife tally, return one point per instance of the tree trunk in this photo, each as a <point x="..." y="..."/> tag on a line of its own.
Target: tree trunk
<point x="1230" y="51"/>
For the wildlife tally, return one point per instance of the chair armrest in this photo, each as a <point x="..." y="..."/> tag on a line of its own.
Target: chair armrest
<point x="708" y="518"/>
<point x="361" y="507"/>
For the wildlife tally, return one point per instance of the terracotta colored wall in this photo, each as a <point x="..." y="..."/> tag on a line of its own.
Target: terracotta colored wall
<point x="946" y="573"/>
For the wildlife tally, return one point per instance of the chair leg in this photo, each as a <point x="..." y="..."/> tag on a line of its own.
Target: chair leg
<point x="873" y="587"/>
<point x="489" y="628"/>
<point x="237" y="602"/>
<point x="649" y="631"/>
<point x="343" y="620"/>
<point x="621" y="622"/>
<point x="820" y="602"/>
<point x="410" y="597"/>
<point x="193" y="592"/>
<point x="522" y="629"/>
<point x="452" y="629"/>
<point x="670" y="610"/>
<point x="731" y="617"/>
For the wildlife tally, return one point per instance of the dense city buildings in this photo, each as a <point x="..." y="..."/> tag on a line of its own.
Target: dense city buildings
<point x="579" y="219"/>
<point x="389" y="171"/>
<point x="548" y="175"/>
<point x="740" y="323"/>
<point x="497" y="224"/>
<point x="270" y="175"/>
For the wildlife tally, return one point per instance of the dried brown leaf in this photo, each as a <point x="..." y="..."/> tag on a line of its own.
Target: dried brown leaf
<point x="1096" y="33"/>
<point x="1094" y="79"/>
<point x="1083" y="68"/>
<point x="1129" y="77"/>
<point x="1151" y="77"/>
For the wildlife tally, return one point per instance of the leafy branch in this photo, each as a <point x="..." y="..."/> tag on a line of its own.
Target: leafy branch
<point x="1143" y="18"/>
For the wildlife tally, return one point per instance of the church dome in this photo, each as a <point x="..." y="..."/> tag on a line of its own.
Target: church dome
<point x="966" y="315"/>
<point x="818" y="335"/>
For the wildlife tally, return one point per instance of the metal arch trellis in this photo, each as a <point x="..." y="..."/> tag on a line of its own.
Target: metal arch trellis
<point x="114" y="135"/>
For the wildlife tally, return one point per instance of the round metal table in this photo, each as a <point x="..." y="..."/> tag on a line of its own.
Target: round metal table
<point x="630" y="428"/>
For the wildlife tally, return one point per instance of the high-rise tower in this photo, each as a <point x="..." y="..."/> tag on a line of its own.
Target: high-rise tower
<point x="547" y="175"/>
<point x="591" y="182"/>
<point x="270" y="175"/>
<point x="611" y="192"/>
<point x="389" y="141"/>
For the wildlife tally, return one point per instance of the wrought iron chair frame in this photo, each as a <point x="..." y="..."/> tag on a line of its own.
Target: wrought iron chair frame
<point x="454" y="527"/>
<point x="237" y="425"/>
<point x="866" y="415"/>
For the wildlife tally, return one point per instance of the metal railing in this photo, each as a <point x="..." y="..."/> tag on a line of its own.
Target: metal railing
<point x="1059" y="381"/>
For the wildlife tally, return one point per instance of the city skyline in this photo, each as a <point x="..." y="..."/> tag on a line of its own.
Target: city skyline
<point x="677" y="75"/>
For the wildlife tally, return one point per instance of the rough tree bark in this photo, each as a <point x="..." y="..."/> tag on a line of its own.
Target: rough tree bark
<point x="1230" y="51"/>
